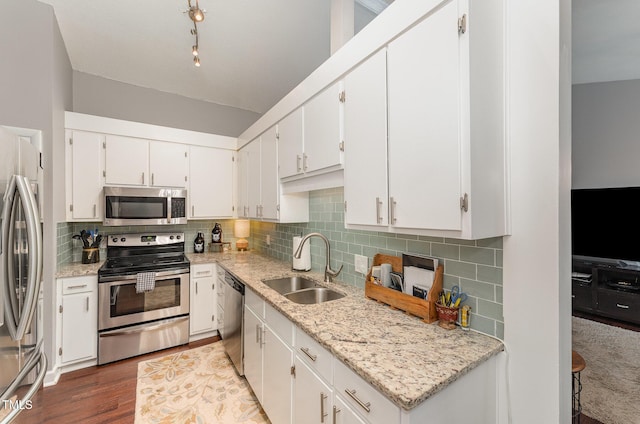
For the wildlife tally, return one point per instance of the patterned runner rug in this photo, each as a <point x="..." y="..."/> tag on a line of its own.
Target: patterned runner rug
<point x="195" y="386"/>
<point x="611" y="379"/>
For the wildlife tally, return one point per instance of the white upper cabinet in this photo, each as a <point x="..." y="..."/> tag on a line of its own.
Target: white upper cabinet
<point x="365" y="143"/>
<point x="290" y="146"/>
<point x="210" y="189"/>
<point x="168" y="164"/>
<point x="126" y="161"/>
<point x="269" y="203"/>
<point x="323" y="130"/>
<point x="85" y="159"/>
<point x="253" y="177"/>
<point x="425" y="124"/>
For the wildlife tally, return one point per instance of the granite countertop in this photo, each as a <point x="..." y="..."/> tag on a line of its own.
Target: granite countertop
<point x="403" y="357"/>
<point x="77" y="269"/>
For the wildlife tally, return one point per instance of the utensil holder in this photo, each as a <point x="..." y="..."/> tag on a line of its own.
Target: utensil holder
<point x="90" y="255"/>
<point x="447" y="316"/>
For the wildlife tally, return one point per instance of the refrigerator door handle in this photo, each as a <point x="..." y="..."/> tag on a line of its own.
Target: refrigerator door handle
<point x="18" y="329"/>
<point x="9" y="197"/>
<point x="41" y="360"/>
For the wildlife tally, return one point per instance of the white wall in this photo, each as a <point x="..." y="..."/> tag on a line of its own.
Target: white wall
<point x="537" y="307"/>
<point x="99" y="96"/>
<point x="606" y="130"/>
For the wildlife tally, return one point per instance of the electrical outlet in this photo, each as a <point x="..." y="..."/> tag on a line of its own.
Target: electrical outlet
<point x="268" y="241"/>
<point x="362" y="264"/>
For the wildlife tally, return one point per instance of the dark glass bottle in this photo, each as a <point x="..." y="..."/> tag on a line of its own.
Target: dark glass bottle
<point x="216" y="234"/>
<point x="198" y="243"/>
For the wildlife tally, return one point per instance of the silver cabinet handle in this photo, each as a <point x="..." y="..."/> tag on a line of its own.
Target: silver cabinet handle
<point x="95" y="209"/>
<point x="378" y="214"/>
<point x="193" y="210"/>
<point x="87" y="303"/>
<point x="79" y="286"/>
<point x="258" y="332"/>
<point x="622" y="306"/>
<point x="393" y="210"/>
<point x="143" y="178"/>
<point x="335" y="414"/>
<point x="352" y="395"/>
<point x="152" y="178"/>
<point x="196" y="287"/>
<point x="304" y="161"/>
<point x="298" y="159"/>
<point x="263" y="337"/>
<point x="322" y="413"/>
<point x="305" y="350"/>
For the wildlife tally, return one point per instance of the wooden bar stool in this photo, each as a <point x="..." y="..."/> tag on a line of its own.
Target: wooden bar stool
<point x="577" y="365"/>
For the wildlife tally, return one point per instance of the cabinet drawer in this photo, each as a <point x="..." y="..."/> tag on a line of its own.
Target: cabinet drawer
<point x="318" y="358"/>
<point x="621" y="305"/>
<point x="581" y="297"/>
<point x="202" y="270"/>
<point x="253" y="302"/>
<point x="279" y="324"/>
<point x="79" y="285"/>
<point x="362" y="397"/>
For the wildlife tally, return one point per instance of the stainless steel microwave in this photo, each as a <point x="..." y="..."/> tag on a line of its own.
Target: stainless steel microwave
<point x="144" y="206"/>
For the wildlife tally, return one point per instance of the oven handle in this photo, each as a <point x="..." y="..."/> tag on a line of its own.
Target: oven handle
<point x="144" y="327"/>
<point x="106" y="279"/>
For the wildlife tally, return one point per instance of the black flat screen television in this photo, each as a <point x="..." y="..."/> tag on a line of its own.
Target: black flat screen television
<point x="605" y="223"/>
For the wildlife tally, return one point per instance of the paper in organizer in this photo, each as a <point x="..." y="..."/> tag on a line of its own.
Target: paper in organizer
<point x="418" y="272"/>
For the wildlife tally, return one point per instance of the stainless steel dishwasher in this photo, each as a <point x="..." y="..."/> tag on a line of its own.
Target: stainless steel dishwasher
<point x="233" y="321"/>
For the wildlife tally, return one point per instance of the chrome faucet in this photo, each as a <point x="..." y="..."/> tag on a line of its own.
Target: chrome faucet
<point x="328" y="272"/>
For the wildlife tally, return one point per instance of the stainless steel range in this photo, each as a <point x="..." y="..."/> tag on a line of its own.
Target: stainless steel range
<point x="143" y="295"/>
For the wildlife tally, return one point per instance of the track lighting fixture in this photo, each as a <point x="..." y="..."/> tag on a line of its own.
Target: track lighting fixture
<point x="196" y="15"/>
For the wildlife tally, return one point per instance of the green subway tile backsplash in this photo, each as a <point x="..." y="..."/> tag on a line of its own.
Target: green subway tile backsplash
<point x="476" y="265"/>
<point x="473" y="264"/>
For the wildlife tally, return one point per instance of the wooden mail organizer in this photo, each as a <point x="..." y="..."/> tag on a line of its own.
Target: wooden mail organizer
<point x="412" y="305"/>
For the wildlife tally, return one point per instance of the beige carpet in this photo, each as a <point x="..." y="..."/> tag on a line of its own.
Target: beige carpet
<point x="195" y="386"/>
<point x="611" y="379"/>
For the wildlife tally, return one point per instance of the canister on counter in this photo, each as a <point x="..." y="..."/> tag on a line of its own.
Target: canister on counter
<point x="465" y="317"/>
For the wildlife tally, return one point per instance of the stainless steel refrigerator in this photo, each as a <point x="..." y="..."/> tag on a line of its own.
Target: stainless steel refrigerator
<point x="22" y="360"/>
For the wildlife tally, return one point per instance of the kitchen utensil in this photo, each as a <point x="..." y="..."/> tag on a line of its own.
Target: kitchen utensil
<point x="457" y="296"/>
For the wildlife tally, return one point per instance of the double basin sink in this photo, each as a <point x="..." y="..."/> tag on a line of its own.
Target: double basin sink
<point x="302" y="290"/>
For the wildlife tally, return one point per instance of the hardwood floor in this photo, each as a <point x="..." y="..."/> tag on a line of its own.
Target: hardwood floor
<point x="104" y="394"/>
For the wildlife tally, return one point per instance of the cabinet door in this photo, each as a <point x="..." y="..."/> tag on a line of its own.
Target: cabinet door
<point x="424" y="124"/>
<point x="269" y="175"/>
<point x="313" y="398"/>
<point x="343" y="414"/>
<point x="210" y="182"/>
<point x="253" y="328"/>
<point x="79" y="327"/>
<point x="253" y="177"/>
<point x="127" y="161"/>
<point x="322" y="130"/>
<point x="277" y="378"/>
<point x="243" y="182"/>
<point x="168" y="164"/>
<point x="290" y="144"/>
<point x="87" y="165"/>
<point x="202" y="313"/>
<point x="365" y="155"/>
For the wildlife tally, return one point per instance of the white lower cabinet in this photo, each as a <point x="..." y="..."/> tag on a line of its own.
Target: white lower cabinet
<point x="78" y="321"/>
<point x="268" y="357"/>
<point x="313" y="396"/>
<point x="203" y="303"/>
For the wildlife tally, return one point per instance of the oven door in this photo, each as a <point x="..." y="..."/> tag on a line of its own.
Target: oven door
<point x="119" y="304"/>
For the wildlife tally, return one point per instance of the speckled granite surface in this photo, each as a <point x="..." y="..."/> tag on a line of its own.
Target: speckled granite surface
<point x="401" y="356"/>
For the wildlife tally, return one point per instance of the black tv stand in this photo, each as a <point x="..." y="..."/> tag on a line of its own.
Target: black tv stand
<point x="606" y="288"/>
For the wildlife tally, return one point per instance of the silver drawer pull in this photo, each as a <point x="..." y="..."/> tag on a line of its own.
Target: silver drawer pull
<point x="305" y="350"/>
<point x="622" y="306"/>
<point x="322" y="414"/>
<point x="80" y="286"/>
<point x="352" y="395"/>
<point x="335" y="414"/>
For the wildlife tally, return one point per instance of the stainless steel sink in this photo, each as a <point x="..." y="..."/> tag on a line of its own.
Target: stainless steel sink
<point x="290" y="284"/>
<point x="313" y="295"/>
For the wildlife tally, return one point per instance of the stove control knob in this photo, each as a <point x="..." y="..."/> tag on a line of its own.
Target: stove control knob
<point x="170" y="237"/>
<point x="123" y="239"/>
<point x="115" y="240"/>
<point x="178" y="237"/>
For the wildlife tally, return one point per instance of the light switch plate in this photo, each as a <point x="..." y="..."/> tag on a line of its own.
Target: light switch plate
<point x="361" y="264"/>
